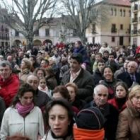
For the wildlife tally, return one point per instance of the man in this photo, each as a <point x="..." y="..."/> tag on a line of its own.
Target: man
<point x="79" y="48"/>
<point x="41" y="98"/>
<point x="10" y="60"/>
<point x="111" y="62"/>
<point x="124" y="68"/>
<point x="97" y="75"/>
<point x="44" y="64"/>
<point x="104" y="47"/>
<point x="100" y="97"/>
<point x="82" y="78"/>
<point x="130" y="76"/>
<point x="9" y="83"/>
<point x="98" y="57"/>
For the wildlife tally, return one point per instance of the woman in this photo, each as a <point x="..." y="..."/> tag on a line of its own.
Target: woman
<point x="59" y="118"/>
<point x="109" y="81"/>
<point x="61" y="92"/>
<point x="25" y="69"/>
<point x="73" y="89"/>
<point x="40" y="73"/>
<point x="129" y="119"/>
<point x="121" y="92"/>
<point x="23" y="117"/>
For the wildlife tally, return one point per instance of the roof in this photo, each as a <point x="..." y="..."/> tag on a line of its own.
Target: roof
<point x="119" y="2"/>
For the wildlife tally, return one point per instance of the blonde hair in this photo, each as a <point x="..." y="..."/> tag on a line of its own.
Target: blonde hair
<point x="73" y="85"/>
<point x="27" y="62"/>
<point x="134" y="90"/>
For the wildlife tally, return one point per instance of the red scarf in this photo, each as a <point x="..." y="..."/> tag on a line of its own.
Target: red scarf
<point x="24" y="110"/>
<point x="84" y="134"/>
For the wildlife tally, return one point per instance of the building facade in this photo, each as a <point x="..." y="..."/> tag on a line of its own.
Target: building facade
<point x="53" y="32"/>
<point x="135" y="22"/>
<point x="115" y="28"/>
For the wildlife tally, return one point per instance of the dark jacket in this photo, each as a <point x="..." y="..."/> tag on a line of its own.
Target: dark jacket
<point x="84" y="81"/>
<point x="110" y="86"/>
<point x="2" y="109"/>
<point x="129" y="124"/>
<point x="41" y="99"/>
<point x="83" y="52"/>
<point x="125" y="77"/>
<point x="110" y="114"/>
<point x="97" y="76"/>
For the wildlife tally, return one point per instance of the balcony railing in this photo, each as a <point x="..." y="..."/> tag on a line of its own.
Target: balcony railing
<point x="135" y="20"/>
<point x="134" y="32"/>
<point x="135" y="7"/>
<point x="114" y="30"/>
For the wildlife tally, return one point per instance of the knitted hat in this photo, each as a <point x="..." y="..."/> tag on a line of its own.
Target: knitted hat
<point x="90" y="118"/>
<point x="78" y="57"/>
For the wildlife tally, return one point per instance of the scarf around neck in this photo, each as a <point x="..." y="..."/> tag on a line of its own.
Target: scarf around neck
<point x="24" y="110"/>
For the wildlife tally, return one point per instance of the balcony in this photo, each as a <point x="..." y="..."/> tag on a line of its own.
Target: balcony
<point x="94" y="32"/>
<point x="134" y="32"/>
<point x="114" y="30"/>
<point x="133" y="0"/>
<point x="135" y="20"/>
<point x="135" y="8"/>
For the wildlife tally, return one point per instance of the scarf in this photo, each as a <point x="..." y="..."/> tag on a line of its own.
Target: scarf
<point x="24" y="110"/>
<point x="84" y="134"/>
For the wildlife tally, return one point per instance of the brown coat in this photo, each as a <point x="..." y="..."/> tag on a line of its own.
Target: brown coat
<point x="129" y="124"/>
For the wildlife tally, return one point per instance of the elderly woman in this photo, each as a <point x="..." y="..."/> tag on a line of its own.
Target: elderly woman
<point x="25" y="69"/>
<point x="23" y="117"/>
<point x="129" y="120"/>
<point x="59" y="118"/>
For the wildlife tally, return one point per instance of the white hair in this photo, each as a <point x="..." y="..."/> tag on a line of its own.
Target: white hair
<point x="99" y="87"/>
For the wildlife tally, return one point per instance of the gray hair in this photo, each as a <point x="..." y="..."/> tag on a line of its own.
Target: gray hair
<point x="5" y="63"/>
<point x="98" y="87"/>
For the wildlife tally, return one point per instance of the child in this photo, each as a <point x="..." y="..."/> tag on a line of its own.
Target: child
<point x="43" y="87"/>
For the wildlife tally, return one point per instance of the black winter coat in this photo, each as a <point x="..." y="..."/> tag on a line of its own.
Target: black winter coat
<point x="84" y="81"/>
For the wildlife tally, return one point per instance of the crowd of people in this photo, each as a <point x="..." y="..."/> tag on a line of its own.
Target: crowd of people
<point x="70" y="92"/>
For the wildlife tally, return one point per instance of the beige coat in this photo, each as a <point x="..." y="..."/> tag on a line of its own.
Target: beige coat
<point x="129" y="124"/>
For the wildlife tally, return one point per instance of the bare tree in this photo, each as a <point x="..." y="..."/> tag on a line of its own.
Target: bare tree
<point x="27" y="16"/>
<point x="81" y="14"/>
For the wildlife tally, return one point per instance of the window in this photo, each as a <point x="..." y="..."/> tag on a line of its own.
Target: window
<point x="113" y="39"/>
<point x="16" y="33"/>
<point x="115" y="11"/>
<point x="121" y="27"/>
<point x="74" y="33"/>
<point x="121" y="12"/>
<point x="111" y="11"/>
<point x="37" y="33"/>
<point x="47" y="32"/>
<point x="113" y="28"/>
<point x="93" y="28"/>
<point x="124" y="13"/>
<point x="129" y="13"/>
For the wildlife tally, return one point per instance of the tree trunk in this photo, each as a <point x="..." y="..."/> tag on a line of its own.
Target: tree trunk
<point x="29" y="40"/>
<point x="83" y="38"/>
